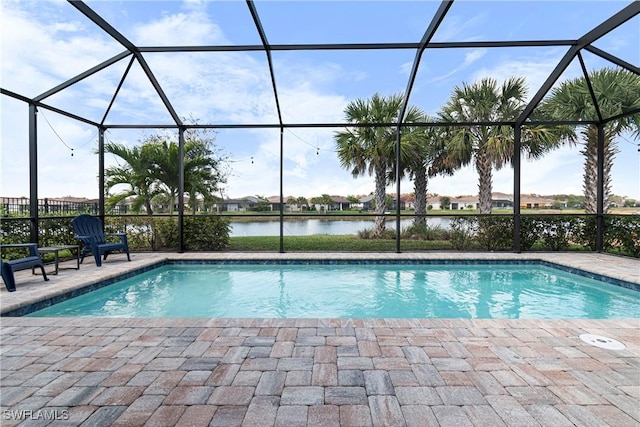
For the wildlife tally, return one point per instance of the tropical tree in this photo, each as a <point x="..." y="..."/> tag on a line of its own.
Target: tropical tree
<point x="326" y="201"/>
<point x="427" y="158"/>
<point x="617" y="92"/>
<point x="135" y="173"/>
<point x="445" y="202"/>
<point x="372" y="149"/>
<point x="302" y="202"/>
<point x="492" y="146"/>
<point x="290" y="202"/>
<point x="353" y="200"/>
<point x="315" y="201"/>
<point x="203" y="167"/>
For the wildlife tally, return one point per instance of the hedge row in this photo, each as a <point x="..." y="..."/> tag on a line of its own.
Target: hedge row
<point x="491" y="233"/>
<point x="547" y="232"/>
<point x="201" y="233"/>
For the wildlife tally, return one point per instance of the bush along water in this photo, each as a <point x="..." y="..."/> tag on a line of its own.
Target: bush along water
<point x="201" y="233"/>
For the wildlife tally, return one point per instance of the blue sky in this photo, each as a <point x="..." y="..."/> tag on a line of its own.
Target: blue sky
<point x="45" y="43"/>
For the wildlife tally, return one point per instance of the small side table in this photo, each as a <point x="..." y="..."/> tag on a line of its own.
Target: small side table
<point x="56" y="250"/>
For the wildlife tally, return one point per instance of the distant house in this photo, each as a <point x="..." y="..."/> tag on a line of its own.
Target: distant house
<point x="407" y="202"/>
<point x="501" y="201"/>
<point x="239" y="205"/>
<point x="535" y="202"/>
<point x="434" y="202"/>
<point x="465" y="202"/>
<point x="498" y="201"/>
<point x="367" y="202"/>
<point x="338" y="203"/>
<point x="274" y="201"/>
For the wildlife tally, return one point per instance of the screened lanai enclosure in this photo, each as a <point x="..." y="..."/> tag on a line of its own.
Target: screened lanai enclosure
<point x="286" y="93"/>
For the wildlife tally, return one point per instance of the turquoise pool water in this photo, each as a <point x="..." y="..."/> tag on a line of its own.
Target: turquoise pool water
<point x="355" y="291"/>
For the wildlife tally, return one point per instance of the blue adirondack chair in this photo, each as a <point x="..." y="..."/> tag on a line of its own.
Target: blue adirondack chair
<point x="7" y="268"/>
<point x="88" y="229"/>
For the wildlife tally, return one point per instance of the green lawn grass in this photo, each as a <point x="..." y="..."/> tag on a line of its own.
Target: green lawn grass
<point x="319" y="243"/>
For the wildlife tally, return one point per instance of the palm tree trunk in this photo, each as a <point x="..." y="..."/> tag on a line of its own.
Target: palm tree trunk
<point x="420" y="190"/>
<point x="485" y="181"/>
<point x="380" y="196"/>
<point x="590" y="178"/>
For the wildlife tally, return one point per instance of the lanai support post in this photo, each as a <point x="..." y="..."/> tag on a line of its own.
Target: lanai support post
<point x="180" y="189"/>
<point x="600" y="191"/>
<point x="101" y="211"/>
<point x="281" y="189"/>
<point x="398" y="160"/>
<point x="517" y="172"/>
<point x="33" y="173"/>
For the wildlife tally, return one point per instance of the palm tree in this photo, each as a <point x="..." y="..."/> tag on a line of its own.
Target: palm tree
<point x="427" y="159"/>
<point x="302" y="202"/>
<point x="371" y="149"/>
<point x="202" y="170"/>
<point x="617" y="92"/>
<point x="490" y="147"/>
<point x="136" y="173"/>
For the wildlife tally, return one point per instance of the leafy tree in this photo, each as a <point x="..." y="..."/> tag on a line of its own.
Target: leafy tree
<point x="136" y="173"/>
<point x="354" y="200"/>
<point x="204" y="168"/>
<point x="489" y="147"/>
<point x="151" y="171"/>
<point x="371" y="149"/>
<point x="617" y="92"/>
<point x="388" y="202"/>
<point x="445" y="202"/>
<point x="302" y="202"/>
<point x="262" y="205"/>
<point x="315" y="201"/>
<point x="291" y="201"/>
<point x="327" y="201"/>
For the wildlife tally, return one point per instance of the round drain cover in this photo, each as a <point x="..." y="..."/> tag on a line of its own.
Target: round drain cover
<point x="602" y="342"/>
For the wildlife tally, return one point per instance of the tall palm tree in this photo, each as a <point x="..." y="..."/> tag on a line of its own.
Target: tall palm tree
<point x="136" y="173"/>
<point x="490" y="147"/>
<point x="371" y="149"/>
<point x="617" y="92"/>
<point x="428" y="158"/>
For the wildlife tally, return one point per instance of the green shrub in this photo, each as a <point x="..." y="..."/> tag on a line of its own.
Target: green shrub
<point x="424" y="232"/>
<point x="201" y="233"/>
<point x="585" y="231"/>
<point x="622" y="235"/>
<point x="529" y="231"/>
<point x="140" y="230"/>
<point x="556" y="233"/>
<point x="368" y="233"/>
<point x="463" y="232"/>
<point x="495" y="233"/>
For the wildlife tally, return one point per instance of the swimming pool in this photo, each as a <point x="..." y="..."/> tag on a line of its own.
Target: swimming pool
<point x="361" y="290"/>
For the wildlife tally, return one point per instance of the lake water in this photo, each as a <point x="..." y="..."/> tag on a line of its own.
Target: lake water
<point x="310" y="227"/>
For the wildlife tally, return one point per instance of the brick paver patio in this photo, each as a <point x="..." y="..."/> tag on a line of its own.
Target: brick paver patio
<point x="315" y="372"/>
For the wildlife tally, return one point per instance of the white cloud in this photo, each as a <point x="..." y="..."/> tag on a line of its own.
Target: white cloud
<point x="193" y="28"/>
<point x="470" y="58"/>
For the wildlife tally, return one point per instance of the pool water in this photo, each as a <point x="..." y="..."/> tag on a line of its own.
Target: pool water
<point x="355" y="291"/>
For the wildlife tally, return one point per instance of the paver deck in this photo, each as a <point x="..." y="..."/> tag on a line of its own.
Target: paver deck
<point x="315" y="372"/>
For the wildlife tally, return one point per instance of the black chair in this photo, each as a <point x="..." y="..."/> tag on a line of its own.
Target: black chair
<point x="88" y="229"/>
<point x="7" y="268"/>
